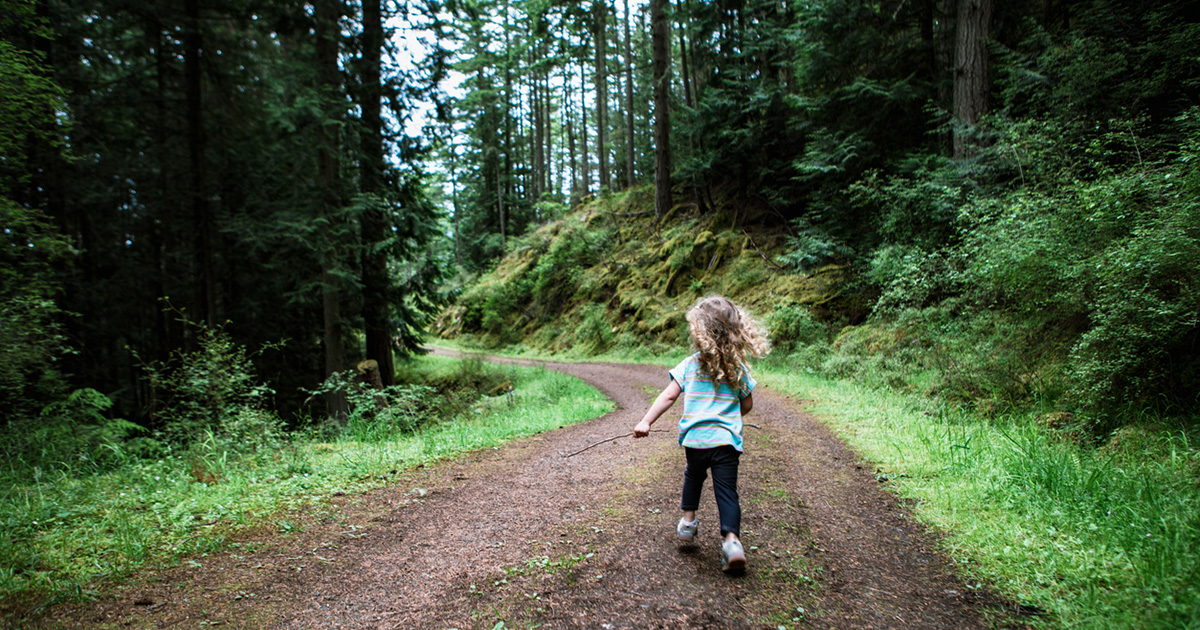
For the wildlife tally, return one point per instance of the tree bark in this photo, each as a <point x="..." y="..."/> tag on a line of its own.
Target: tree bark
<point x="505" y="182"/>
<point x="374" y="228"/>
<point x="602" y="91"/>
<point x="201" y="218"/>
<point x="327" y="14"/>
<point x="660" y="34"/>
<point x="583" y="134"/>
<point x="571" y="141"/>
<point x="535" y="116"/>
<point x="971" y="83"/>
<point x="629" y="156"/>
<point x="689" y="96"/>
<point x="548" y="122"/>
<point x="943" y="53"/>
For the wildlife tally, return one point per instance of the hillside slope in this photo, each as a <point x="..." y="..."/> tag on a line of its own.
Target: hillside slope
<point x="606" y="277"/>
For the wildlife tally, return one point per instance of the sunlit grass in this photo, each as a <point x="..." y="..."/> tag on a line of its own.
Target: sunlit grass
<point x="1091" y="538"/>
<point x="63" y="534"/>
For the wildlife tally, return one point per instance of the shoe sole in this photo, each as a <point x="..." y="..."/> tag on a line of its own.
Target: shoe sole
<point x="684" y="537"/>
<point x="735" y="562"/>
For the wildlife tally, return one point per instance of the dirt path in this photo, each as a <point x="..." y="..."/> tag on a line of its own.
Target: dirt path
<point x="524" y="536"/>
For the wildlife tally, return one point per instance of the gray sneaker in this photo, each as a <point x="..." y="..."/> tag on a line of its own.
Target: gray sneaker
<point x="733" y="558"/>
<point x="686" y="531"/>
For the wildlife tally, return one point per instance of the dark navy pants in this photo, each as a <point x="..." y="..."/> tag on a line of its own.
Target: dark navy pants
<point x="723" y="462"/>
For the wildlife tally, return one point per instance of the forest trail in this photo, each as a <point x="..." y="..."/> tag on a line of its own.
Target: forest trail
<point x="522" y="534"/>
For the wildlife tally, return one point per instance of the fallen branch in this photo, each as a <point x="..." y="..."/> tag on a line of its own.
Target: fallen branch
<point x="625" y="435"/>
<point x="595" y="444"/>
<point x="770" y="265"/>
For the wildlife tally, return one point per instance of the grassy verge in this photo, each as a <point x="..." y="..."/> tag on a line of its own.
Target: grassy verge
<point x="1083" y="538"/>
<point x="64" y="535"/>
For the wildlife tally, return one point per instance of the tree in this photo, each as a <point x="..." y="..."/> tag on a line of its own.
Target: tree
<point x="600" y="9"/>
<point x="660" y="38"/>
<point x="327" y="15"/>
<point x="629" y="142"/>
<point x="32" y="254"/>
<point x="374" y="235"/>
<point x="971" y="82"/>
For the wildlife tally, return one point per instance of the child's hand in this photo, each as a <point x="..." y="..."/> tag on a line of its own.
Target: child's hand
<point x="642" y="429"/>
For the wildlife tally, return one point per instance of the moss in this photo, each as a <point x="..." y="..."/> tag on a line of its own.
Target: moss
<point x="626" y="280"/>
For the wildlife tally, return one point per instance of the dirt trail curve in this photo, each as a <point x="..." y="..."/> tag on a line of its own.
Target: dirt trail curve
<point x="521" y="534"/>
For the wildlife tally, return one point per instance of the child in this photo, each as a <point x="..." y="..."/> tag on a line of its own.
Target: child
<point x="716" y="387"/>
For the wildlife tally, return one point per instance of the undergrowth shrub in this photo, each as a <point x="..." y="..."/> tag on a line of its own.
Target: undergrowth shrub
<point x="1073" y="291"/>
<point x="74" y="436"/>
<point x="792" y="324"/>
<point x="594" y="333"/>
<point x="810" y="246"/>
<point x="908" y="276"/>
<point x="918" y="203"/>
<point x="212" y="398"/>
<point x="375" y="414"/>
<point x="32" y="340"/>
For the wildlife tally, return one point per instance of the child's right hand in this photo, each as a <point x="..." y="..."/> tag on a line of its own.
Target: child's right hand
<point x="641" y="430"/>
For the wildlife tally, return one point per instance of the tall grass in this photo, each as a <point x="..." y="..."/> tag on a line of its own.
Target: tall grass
<point x="1081" y="537"/>
<point x="65" y="533"/>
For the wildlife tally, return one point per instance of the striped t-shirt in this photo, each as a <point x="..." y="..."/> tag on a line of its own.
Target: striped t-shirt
<point x="712" y="412"/>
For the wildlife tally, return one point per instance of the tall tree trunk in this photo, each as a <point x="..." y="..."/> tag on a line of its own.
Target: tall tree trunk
<point x="629" y="157"/>
<point x="374" y="228"/>
<point x="201" y="216"/>
<point x="971" y="83"/>
<point x="601" y="9"/>
<point x="943" y="52"/>
<point x="548" y="118"/>
<point x="583" y="134"/>
<point x="164" y="339"/>
<point x="500" y="212"/>
<point x="457" y="210"/>
<point x="327" y="14"/>
<point x="689" y="97"/>
<point x="660" y="45"/>
<point x="571" y="142"/>
<point x="926" y="18"/>
<point x="535" y="115"/>
<point x="506" y="182"/>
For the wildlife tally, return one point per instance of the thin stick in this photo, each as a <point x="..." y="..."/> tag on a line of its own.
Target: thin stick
<point x="625" y="435"/>
<point x="595" y="444"/>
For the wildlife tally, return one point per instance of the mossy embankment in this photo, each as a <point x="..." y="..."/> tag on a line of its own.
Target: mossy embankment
<point x="608" y="278"/>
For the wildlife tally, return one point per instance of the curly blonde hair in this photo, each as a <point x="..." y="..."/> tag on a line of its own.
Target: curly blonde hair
<point x="724" y="334"/>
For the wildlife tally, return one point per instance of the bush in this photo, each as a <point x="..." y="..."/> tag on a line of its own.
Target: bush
<point x="811" y="247"/>
<point x="31" y="336"/>
<point x="595" y="332"/>
<point x="1112" y="260"/>
<point x="1141" y="347"/>
<point x="376" y="414"/>
<point x="212" y="394"/>
<point x="74" y="434"/>
<point x="794" y="324"/>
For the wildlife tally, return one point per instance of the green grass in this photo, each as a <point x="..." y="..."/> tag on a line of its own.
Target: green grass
<point x="1092" y="538"/>
<point x="64" y="535"/>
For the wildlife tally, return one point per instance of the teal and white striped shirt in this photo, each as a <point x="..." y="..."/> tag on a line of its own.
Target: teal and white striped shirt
<point x="712" y="412"/>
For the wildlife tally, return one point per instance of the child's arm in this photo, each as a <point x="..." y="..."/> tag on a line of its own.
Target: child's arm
<point x="747" y="404"/>
<point x="657" y="408"/>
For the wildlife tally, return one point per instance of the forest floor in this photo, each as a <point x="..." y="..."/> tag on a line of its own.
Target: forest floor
<point x="524" y="536"/>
